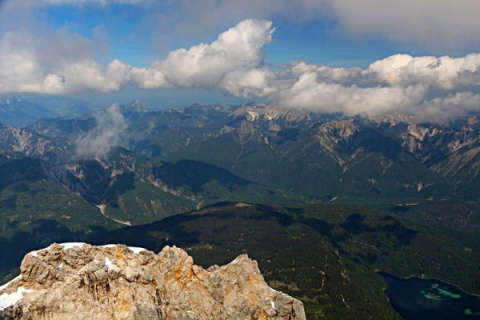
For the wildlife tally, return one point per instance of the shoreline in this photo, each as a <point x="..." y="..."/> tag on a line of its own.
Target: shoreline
<point x="378" y="271"/>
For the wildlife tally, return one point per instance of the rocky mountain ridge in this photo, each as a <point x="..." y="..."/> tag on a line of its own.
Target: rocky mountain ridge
<point x="79" y="281"/>
<point x="156" y="134"/>
<point x="390" y="160"/>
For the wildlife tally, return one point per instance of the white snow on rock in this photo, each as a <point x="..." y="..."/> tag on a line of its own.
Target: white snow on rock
<point x="70" y="245"/>
<point x="108" y="262"/>
<point x="9" y="299"/>
<point x="108" y="246"/>
<point x="235" y="261"/>
<point x="137" y="249"/>
<point x="66" y="245"/>
<point x="133" y="249"/>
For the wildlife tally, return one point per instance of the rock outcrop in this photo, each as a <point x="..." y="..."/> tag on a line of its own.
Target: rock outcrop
<point x="80" y="281"/>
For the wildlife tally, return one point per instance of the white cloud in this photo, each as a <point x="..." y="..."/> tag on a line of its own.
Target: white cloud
<point x="247" y="83"/>
<point x="399" y="83"/>
<point x="205" y="65"/>
<point x="444" y="73"/>
<point x="30" y="64"/>
<point x="310" y="93"/>
<point x="110" y="123"/>
<point x="328" y="74"/>
<point x="233" y="63"/>
<point x="448" y="108"/>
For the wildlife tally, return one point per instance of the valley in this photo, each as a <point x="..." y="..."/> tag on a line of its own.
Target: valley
<point x="321" y="201"/>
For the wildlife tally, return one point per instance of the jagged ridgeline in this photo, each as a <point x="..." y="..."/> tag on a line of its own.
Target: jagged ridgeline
<point x="300" y="155"/>
<point x="128" y="175"/>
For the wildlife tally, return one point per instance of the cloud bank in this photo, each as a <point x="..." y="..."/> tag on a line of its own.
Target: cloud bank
<point x="29" y="64"/>
<point x="234" y="64"/>
<point x="399" y="83"/>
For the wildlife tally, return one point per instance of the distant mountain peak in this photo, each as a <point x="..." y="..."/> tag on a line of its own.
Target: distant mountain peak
<point x="134" y="106"/>
<point x="269" y="112"/>
<point x="396" y="118"/>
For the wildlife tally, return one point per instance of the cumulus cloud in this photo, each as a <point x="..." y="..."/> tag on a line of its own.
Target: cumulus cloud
<point x="444" y="73"/>
<point x="310" y="93"/>
<point x="205" y="65"/>
<point x="247" y="83"/>
<point x="445" y="109"/>
<point x="29" y="64"/>
<point x="234" y="63"/>
<point x="400" y="83"/>
<point x="110" y="123"/>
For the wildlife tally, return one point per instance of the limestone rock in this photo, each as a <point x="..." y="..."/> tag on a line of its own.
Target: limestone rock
<point x="78" y="281"/>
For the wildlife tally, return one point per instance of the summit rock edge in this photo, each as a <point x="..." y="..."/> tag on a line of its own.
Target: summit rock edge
<point x="79" y="281"/>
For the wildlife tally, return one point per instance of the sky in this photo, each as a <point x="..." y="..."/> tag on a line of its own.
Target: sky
<point x="356" y="57"/>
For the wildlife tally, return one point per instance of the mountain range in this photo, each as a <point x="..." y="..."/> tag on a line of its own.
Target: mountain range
<point x="391" y="160"/>
<point x="220" y="180"/>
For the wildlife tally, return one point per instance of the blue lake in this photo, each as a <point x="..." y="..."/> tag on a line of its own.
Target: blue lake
<point x="430" y="299"/>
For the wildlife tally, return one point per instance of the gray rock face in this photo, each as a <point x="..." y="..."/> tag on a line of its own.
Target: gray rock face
<point x="80" y="281"/>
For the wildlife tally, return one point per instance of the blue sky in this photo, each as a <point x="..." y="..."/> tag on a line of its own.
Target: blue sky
<point x="128" y="30"/>
<point x="352" y="56"/>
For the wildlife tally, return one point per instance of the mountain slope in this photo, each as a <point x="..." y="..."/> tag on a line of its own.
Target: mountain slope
<point x="19" y="112"/>
<point x="338" y="158"/>
<point x="291" y="255"/>
<point x="451" y="150"/>
<point x="325" y="255"/>
<point x="391" y="160"/>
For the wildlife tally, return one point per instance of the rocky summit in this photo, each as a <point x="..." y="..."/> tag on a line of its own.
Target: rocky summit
<point x="81" y="281"/>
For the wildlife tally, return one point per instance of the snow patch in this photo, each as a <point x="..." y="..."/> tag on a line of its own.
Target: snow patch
<point x="273" y="304"/>
<point x="235" y="261"/>
<point x="109" y="246"/>
<point x="66" y="245"/>
<point x="70" y="245"/>
<point x="9" y="299"/>
<point x="108" y="263"/>
<point x="134" y="249"/>
<point x="253" y="115"/>
<point x="137" y="249"/>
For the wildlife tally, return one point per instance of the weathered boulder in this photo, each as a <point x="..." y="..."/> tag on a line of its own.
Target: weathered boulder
<point x="79" y="281"/>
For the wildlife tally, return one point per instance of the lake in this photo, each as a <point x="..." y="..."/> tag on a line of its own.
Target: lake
<point x="429" y="299"/>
